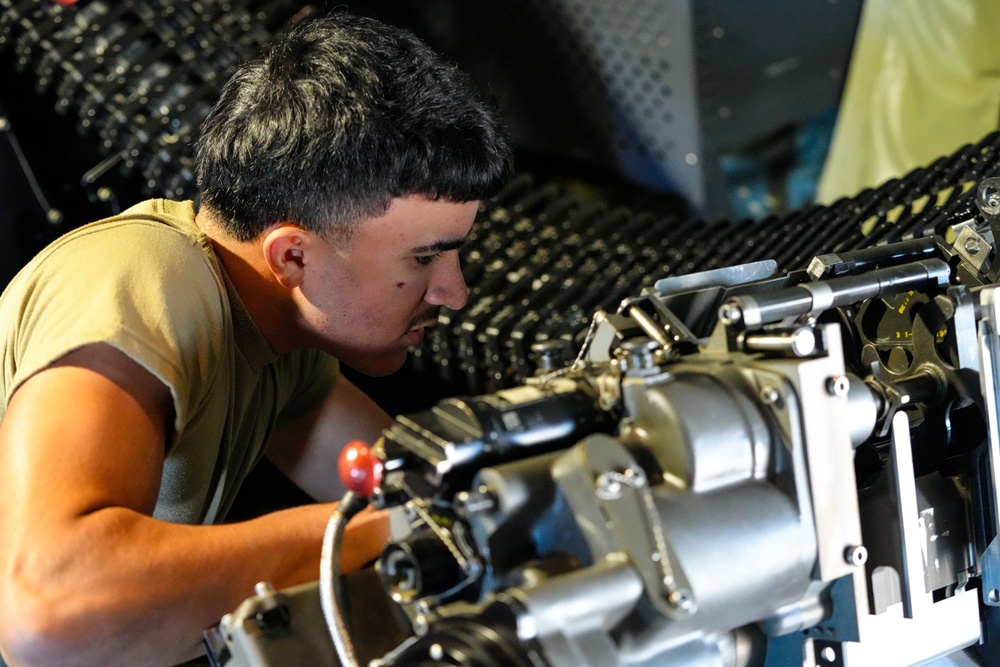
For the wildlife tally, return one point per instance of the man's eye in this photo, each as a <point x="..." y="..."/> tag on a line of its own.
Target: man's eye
<point x="424" y="260"/>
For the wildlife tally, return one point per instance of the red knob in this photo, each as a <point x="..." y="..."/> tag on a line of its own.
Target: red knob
<point x="359" y="469"/>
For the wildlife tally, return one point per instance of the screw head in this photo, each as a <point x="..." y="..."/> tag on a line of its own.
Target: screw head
<point x="838" y="385"/>
<point x="682" y="599"/>
<point x="856" y="555"/>
<point x="608" y="487"/>
<point x="770" y="395"/>
<point x="730" y="313"/>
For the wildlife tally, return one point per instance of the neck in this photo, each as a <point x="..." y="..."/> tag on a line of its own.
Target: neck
<point x="266" y="300"/>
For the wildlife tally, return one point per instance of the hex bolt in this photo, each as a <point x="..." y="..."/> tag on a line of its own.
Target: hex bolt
<point x="769" y="395"/>
<point x="681" y="598"/>
<point x="730" y="313"/>
<point x="639" y="354"/>
<point x="608" y="486"/>
<point x="550" y="354"/>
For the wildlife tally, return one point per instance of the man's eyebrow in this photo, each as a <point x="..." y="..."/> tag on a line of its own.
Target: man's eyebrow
<point x="440" y="246"/>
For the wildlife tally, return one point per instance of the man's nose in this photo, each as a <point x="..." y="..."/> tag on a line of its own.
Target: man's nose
<point x="447" y="287"/>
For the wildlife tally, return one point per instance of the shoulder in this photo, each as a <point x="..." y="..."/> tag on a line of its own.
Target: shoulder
<point x="152" y="229"/>
<point x="141" y="273"/>
<point x="144" y="286"/>
<point x="152" y="244"/>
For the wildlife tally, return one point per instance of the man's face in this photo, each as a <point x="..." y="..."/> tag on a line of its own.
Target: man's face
<point x="369" y="300"/>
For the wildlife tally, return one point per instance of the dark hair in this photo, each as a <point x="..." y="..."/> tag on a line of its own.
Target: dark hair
<point x="341" y="114"/>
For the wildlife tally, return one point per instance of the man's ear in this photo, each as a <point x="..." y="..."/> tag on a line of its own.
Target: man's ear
<point x="284" y="251"/>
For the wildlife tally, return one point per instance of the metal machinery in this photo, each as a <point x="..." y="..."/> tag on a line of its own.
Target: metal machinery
<point x="540" y="263"/>
<point x="739" y="468"/>
<point x="755" y="460"/>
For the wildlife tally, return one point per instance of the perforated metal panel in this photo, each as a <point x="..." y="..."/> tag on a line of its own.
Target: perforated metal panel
<point x="650" y="91"/>
<point x="636" y="62"/>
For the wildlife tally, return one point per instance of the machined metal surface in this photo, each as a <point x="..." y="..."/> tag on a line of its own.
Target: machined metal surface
<point x="748" y="504"/>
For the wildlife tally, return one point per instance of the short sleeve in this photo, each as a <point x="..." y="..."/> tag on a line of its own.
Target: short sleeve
<point x="142" y="287"/>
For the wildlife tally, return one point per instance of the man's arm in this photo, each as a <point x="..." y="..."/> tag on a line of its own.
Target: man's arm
<point x="306" y="449"/>
<point x="87" y="577"/>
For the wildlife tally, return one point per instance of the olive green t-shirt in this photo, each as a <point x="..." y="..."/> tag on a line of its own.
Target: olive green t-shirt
<point x="148" y="282"/>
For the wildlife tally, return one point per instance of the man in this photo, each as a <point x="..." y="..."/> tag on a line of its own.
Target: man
<point x="150" y="358"/>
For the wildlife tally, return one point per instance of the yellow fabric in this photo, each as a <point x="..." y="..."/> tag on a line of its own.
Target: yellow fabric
<point x="924" y="80"/>
<point x="148" y="283"/>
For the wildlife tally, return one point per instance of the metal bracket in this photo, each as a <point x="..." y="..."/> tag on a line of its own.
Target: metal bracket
<point x="912" y="582"/>
<point x="989" y="349"/>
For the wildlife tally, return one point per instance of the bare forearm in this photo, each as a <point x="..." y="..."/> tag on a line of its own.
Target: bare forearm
<point x="306" y="449"/>
<point x="121" y="588"/>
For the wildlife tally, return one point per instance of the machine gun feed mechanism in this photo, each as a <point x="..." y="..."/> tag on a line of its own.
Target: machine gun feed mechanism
<point x="739" y="469"/>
